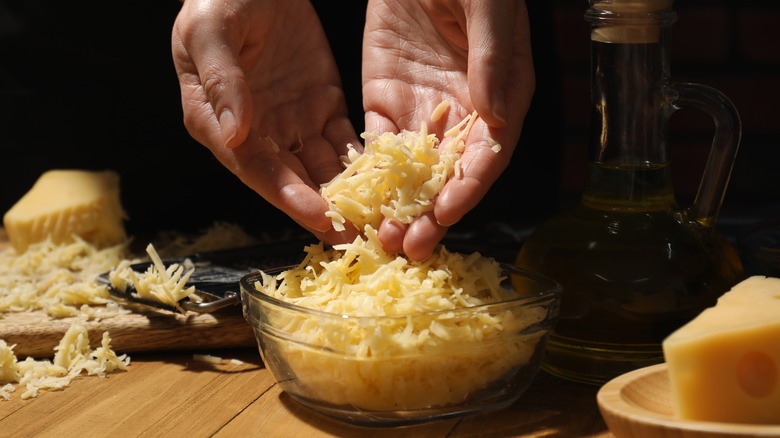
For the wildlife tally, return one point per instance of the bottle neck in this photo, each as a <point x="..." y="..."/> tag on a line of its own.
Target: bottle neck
<point x="628" y="157"/>
<point x="629" y="74"/>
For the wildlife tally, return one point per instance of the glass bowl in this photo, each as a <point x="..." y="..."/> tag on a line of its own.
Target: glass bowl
<point x="483" y="360"/>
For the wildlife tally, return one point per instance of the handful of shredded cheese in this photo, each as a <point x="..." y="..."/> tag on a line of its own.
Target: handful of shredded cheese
<point x="423" y="349"/>
<point x="398" y="176"/>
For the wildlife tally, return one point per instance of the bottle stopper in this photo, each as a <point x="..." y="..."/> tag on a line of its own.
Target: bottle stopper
<point x="629" y="21"/>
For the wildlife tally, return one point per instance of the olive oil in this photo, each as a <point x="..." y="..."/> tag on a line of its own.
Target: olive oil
<point x="633" y="269"/>
<point x="634" y="266"/>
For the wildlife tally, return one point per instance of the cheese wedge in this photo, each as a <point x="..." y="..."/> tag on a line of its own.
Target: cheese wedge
<point x="724" y="365"/>
<point x="64" y="203"/>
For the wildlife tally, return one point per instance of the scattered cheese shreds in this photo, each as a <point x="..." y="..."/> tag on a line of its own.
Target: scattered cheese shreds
<point x="168" y="284"/>
<point x="73" y="356"/>
<point x="6" y="390"/>
<point x="8" y="371"/>
<point x="439" y="357"/>
<point x="57" y="278"/>
<point x="165" y="284"/>
<point x="60" y="279"/>
<point x="208" y="358"/>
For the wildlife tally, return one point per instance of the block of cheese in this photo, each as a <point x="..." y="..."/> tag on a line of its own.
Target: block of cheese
<point x="63" y="203"/>
<point x="724" y="365"/>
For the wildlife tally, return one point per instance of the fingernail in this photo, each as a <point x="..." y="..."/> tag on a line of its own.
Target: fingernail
<point x="227" y="125"/>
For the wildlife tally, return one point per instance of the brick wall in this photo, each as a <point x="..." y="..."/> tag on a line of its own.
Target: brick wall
<point x="733" y="46"/>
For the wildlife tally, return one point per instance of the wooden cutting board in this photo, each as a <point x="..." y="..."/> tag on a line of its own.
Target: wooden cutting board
<point x="36" y="334"/>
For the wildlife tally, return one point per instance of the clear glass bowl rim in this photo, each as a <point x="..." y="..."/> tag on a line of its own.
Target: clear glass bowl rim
<point x="548" y="296"/>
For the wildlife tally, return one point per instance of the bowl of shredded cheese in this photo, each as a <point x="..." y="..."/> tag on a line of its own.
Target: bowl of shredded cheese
<point x="372" y="338"/>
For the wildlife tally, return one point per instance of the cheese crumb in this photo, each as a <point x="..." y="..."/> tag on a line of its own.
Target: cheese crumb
<point x="6" y="390"/>
<point x="439" y="111"/>
<point x="207" y="358"/>
<point x="274" y="146"/>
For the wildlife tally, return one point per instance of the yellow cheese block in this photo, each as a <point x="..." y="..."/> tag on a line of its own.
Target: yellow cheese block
<point x="63" y="203"/>
<point x="724" y="365"/>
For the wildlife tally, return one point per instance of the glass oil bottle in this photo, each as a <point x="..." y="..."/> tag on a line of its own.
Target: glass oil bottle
<point x="633" y="264"/>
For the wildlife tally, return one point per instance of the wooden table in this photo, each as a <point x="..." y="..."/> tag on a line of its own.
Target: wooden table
<point x="172" y="394"/>
<point x="168" y="393"/>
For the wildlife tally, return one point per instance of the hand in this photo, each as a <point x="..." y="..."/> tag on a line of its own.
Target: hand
<point x="261" y="90"/>
<point x="475" y="54"/>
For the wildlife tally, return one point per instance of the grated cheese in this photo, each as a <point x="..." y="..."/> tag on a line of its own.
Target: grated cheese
<point x="219" y="235"/>
<point x="58" y="278"/>
<point x="166" y="284"/>
<point x="439" y="111"/>
<point x="398" y="176"/>
<point x="73" y="356"/>
<point x="274" y="145"/>
<point x="6" y="390"/>
<point x="437" y="357"/>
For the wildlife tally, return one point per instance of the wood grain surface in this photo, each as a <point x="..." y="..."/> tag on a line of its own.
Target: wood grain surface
<point x="173" y="395"/>
<point x="36" y="334"/>
<point x="639" y="404"/>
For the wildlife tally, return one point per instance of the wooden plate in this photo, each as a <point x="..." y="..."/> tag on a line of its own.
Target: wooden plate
<point x="638" y="404"/>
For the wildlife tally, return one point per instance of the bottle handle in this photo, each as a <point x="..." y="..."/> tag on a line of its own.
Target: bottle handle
<point x="725" y="143"/>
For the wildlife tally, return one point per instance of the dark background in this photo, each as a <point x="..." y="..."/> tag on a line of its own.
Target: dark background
<point x="91" y="85"/>
<point x="95" y="88"/>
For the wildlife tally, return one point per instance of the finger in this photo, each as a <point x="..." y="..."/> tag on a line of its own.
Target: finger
<point x="321" y="152"/>
<point x="340" y="133"/>
<point x="215" y="95"/>
<point x="379" y="123"/>
<point x="197" y="111"/>
<point x="391" y="234"/>
<point x="261" y="168"/>
<point x="481" y="165"/>
<point x="422" y="237"/>
<point x="496" y="31"/>
<point x="333" y="237"/>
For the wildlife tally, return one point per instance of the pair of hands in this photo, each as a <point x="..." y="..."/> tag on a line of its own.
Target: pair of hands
<point x="260" y="88"/>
